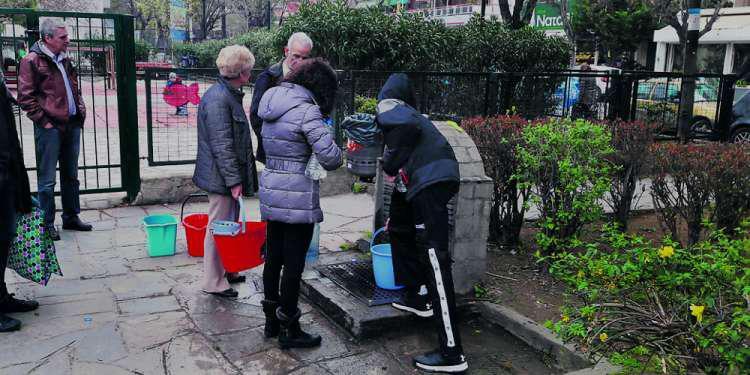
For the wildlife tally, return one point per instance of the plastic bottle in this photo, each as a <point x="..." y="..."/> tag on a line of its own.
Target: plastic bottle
<point x="314" y="170"/>
<point x="314" y="248"/>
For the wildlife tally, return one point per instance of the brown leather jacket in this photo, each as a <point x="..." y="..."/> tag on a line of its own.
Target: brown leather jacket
<point x="41" y="89"/>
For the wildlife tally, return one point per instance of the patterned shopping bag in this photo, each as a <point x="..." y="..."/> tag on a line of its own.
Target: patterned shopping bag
<point x="32" y="254"/>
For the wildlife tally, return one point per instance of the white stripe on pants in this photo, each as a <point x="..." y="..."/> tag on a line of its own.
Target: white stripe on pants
<point x="440" y="286"/>
<point x="220" y="207"/>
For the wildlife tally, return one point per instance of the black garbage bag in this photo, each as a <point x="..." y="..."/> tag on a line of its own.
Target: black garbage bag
<point x="361" y="128"/>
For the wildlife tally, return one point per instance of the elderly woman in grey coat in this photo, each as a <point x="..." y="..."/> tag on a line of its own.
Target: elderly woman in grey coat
<point x="225" y="166"/>
<point x="293" y="131"/>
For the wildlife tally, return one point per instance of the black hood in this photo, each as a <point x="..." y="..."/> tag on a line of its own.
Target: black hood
<point x="398" y="87"/>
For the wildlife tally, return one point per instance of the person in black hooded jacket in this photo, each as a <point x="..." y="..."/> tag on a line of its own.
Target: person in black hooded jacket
<point x="15" y="198"/>
<point x="425" y="172"/>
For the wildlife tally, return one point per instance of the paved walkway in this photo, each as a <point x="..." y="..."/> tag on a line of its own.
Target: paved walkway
<point x="148" y="316"/>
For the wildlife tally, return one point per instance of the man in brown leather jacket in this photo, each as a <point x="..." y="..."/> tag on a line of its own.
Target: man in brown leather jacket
<point x="48" y="91"/>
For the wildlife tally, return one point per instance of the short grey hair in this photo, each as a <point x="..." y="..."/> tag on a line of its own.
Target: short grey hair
<point x="233" y="60"/>
<point x="49" y="25"/>
<point x="301" y="38"/>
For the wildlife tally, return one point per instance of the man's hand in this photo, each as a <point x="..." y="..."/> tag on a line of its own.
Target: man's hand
<point x="237" y="191"/>
<point x="48" y="126"/>
<point x="388" y="178"/>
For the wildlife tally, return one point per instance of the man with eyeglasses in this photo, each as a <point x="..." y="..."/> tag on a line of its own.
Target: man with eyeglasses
<point x="297" y="49"/>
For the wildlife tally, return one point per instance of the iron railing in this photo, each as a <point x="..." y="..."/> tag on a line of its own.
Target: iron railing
<point x="102" y="49"/>
<point x="644" y="96"/>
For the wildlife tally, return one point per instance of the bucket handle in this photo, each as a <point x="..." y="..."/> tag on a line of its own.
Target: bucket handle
<point x="372" y="240"/>
<point x="243" y="218"/>
<point x="184" y="201"/>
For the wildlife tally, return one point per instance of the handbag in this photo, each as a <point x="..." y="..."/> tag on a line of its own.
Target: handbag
<point x="32" y="252"/>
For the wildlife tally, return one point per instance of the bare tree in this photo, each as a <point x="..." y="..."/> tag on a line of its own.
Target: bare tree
<point x="255" y="12"/>
<point x="71" y="5"/>
<point x="208" y="13"/>
<point x="568" y="28"/>
<point x="17" y="3"/>
<point x="522" y="12"/>
<point x="674" y="13"/>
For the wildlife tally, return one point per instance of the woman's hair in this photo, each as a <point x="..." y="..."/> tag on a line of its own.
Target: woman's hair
<point x="318" y="77"/>
<point x="233" y="60"/>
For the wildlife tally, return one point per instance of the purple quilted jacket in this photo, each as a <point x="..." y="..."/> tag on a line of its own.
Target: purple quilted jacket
<point x="293" y="129"/>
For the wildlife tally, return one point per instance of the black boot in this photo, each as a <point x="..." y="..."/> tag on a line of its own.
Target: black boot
<point x="272" y="322"/>
<point x="291" y="335"/>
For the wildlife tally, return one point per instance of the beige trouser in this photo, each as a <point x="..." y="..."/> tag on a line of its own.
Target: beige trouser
<point x="220" y="207"/>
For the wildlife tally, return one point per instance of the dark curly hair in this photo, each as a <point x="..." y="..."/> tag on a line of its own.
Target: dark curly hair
<point x="317" y="76"/>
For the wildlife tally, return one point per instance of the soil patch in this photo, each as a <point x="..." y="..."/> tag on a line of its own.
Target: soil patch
<point x="516" y="280"/>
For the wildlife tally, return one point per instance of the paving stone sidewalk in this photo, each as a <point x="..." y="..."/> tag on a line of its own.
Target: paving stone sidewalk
<point x="147" y="315"/>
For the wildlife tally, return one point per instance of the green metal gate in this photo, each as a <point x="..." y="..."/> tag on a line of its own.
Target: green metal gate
<point x="102" y="49"/>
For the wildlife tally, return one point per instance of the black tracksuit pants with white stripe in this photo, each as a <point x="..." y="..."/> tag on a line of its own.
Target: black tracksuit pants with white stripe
<point x="419" y="234"/>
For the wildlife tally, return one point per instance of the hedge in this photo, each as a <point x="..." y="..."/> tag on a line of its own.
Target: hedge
<point x="371" y="39"/>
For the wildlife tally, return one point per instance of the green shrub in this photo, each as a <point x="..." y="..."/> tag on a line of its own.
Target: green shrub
<point x="366" y="105"/>
<point x="660" y="308"/>
<point x="663" y="113"/>
<point x="489" y="45"/>
<point x="260" y="43"/>
<point x="370" y="39"/>
<point x="142" y="50"/>
<point x="564" y="164"/>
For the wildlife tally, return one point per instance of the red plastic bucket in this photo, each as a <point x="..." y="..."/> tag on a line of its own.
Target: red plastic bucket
<point x="195" y="227"/>
<point x="242" y="251"/>
<point x="195" y="233"/>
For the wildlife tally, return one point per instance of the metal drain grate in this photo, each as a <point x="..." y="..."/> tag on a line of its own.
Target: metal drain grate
<point x="357" y="278"/>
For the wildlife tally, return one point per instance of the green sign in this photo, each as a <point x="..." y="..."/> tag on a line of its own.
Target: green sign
<point x="547" y="17"/>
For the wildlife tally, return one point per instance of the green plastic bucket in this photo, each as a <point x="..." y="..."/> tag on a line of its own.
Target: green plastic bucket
<point x="161" y="231"/>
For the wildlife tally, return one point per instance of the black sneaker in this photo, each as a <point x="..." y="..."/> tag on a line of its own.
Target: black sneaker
<point x="8" y="324"/>
<point x="8" y="304"/>
<point x="53" y="235"/>
<point x="416" y="304"/>
<point x="437" y="362"/>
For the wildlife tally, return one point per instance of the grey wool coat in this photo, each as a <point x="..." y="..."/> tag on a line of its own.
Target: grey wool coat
<point x="293" y="130"/>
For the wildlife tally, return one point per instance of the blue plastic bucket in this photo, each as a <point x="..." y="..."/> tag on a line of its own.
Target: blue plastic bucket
<point x="382" y="264"/>
<point x="161" y="231"/>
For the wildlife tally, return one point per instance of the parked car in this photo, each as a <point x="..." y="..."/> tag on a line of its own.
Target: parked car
<point x="659" y="99"/>
<point x="739" y="130"/>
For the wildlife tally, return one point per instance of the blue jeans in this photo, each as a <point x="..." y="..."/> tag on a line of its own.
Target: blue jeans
<point x="53" y="145"/>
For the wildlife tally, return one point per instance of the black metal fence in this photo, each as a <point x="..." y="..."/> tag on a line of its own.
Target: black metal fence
<point x="649" y="96"/>
<point x="102" y="49"/>
<point x="171" y="135"/>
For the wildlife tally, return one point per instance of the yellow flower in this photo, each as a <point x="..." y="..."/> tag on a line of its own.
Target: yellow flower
<point x="565" y="318"/>
<point x="603" y="337"/>
<point x="697" y="312"/>
<point x="666" y="251"/>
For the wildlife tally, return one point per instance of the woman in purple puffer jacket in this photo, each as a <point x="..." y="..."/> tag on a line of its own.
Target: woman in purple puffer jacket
<point x="293" y="130"/>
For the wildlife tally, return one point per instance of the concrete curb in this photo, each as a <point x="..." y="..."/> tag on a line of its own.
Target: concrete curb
<point x="566" y="356"/>
<point x="160" y="185"/>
